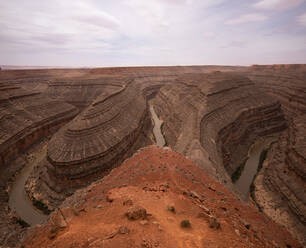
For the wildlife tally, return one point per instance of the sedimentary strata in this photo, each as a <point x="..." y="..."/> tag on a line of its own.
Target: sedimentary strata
<point x="210" y="116"/>
<point x="93" y="143"/>
<point x="218" y="114"/>
<point x="286" y="84"/>
<point x="82" y="92"/>
<point x="280" y="186"/>
<point x="25" y="118"/>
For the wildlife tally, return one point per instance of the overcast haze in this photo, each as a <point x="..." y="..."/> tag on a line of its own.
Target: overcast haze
<point x="152" y="32"/>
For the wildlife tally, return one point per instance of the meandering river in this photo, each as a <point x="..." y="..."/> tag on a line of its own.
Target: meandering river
<point x="19" y="200"/>
<point x="159" y="137"/>
<point x="250" y="169"/>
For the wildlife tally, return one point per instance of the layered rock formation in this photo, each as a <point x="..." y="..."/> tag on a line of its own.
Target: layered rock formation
<point x="93" y="143"/>
<point x="287" y="86"/>
<point x="211" y="117"/>
<point x="25" y="118"/>
<point x="158" y="198"/>
<point x="82" y="92"/>
<point x="216" y="117"/>
<point x="280" y="186"/>
<point x="117" y="123"/>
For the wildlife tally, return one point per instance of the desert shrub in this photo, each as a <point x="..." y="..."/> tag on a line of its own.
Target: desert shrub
<point x="185" y="223"/>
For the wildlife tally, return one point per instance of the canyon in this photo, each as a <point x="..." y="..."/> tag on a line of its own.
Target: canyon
<point x="89" y="133"/>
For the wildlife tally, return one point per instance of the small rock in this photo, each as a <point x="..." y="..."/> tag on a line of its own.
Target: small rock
<point x="212" y="188"/>
<point x="237" y="232"/>
<point x="194" y="194"/>
<point x="128" y="203"/>
<point x="57" y="219"/>
<point x="109" y="197"/>
<point x="136" y="212"/>
<point x="144" y="222"/>
<point x="171" y="209"/>
<point x="246" y="224"/>
<point x="124" y="230"/>
<point x="213" y="222"/>
<point x="99" y="206"/>
<point x="206" y="210"/>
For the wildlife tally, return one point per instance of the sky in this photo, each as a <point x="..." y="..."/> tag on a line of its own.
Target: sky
<point x="78" y="33"/>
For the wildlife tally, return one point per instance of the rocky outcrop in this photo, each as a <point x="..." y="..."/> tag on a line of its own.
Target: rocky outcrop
<point x="158" y="198"/>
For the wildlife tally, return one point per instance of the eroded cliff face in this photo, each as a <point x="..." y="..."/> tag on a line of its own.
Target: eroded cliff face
<point x="25" y="118"/>
<point x="81" y="92"/>
<point x="95" y="142"/>
<point x="158" y="198"/>
<point x="287" y="86"/>
<point x="211" y="117"/>
<point x="116" y="124"/>
<point x="281" y="185"/>
<point x="216" y="117"/>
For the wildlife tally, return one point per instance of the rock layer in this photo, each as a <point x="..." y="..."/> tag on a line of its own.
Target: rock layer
<point x="25" y="118"/>
<point x="212" y="118"/>
<point x="93" y="143"/>
<point x="280" y="186"/>
<point x="218" y="114"/>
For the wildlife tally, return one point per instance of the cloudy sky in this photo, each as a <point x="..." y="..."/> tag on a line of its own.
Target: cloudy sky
<point x="152" y="32"/>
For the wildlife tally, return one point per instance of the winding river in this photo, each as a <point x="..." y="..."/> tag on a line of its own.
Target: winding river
<point x="250" y="169"/>
<point x="159" y="137"/>
<point x="19" y="200"/>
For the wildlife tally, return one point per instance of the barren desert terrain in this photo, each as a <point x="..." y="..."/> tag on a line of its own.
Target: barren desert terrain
<point x="152" y="157"/>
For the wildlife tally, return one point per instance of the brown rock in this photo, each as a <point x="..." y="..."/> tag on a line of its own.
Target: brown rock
<point x="136" y="212"/>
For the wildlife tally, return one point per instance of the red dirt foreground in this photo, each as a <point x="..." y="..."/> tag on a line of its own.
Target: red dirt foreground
<point x="158" y="198"/>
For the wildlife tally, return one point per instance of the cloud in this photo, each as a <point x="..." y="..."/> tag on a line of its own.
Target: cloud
<point x="277" y="4"/>
<point x="253" y="17"/>
<point x="178" y="2"/>
<point x="302" y="19"/>
<point x="138" y="32"/>
<point x="61" y="24"/>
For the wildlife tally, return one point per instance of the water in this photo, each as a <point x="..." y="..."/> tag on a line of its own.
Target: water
<point x="160" y="140"/>
<point x="250" y="169"/>
<point x="19" y="200"/>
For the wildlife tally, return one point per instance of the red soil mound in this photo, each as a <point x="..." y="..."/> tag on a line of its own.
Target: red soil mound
<point x="158" y="198"/>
